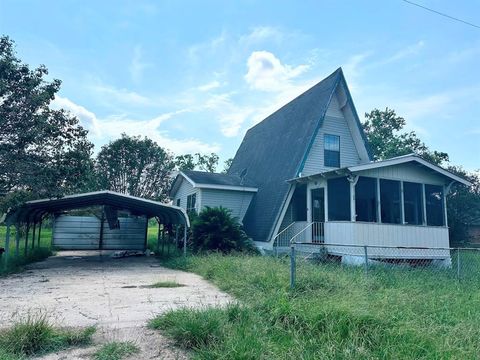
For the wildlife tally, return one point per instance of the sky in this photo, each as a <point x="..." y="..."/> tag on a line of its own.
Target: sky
<point x="195" y="75"/>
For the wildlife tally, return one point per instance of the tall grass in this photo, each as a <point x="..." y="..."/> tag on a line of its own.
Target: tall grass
<point x="35" y="335"/>
<point x="16" y="263"/>
<point x="333" y="313"/>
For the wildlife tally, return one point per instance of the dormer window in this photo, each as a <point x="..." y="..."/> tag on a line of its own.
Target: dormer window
<point x="331" y="153"/>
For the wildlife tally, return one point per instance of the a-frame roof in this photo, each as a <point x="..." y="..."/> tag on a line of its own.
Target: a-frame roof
<point x="274" y="151"/>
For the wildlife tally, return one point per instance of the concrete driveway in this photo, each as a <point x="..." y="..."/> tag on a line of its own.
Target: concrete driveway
<point x="91" y="288"/>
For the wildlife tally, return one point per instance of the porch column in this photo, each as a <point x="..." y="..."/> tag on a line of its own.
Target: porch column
<point x="325" y="200"/>
<point x="379" y="205"/>
<point x="185" y="240"/>
<point x="402" y="207"/>
<point x="446" y="191"/>
<point x="353" y="182"/>
<point x="424" y="205"/>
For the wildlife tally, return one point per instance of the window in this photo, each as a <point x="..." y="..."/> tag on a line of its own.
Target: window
<point x="331" y="153"/>
<point x="390" y="201"/>
<point x="366" y="199"/>
<point x="191" y="202"/>
<point x="178" y="202"/>
<point x="434" y="204"/>
<point x="339" y="199"/>
<point x="413" y="203"/>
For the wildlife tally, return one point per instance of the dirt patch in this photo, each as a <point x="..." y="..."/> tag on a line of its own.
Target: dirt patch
<point x="91" y="288"/>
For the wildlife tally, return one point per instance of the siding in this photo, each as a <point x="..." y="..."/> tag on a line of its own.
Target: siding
<point x="184" y="190"/>
<point x="83" y="233"/>
<point x="405" y="172"/>
<point x="334" y="123"/>
<point x="236" y="201"/>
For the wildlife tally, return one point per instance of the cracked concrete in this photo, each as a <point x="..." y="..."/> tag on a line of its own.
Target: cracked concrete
<point x="85" y="288"/>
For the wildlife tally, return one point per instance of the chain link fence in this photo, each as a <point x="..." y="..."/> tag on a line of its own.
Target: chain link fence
<point x="449" y="264"/>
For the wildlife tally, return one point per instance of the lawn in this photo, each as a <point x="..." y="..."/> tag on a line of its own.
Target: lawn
<point x="334" y="312"/>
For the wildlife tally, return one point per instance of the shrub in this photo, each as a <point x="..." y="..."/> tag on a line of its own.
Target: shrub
<point x="215" y="229"/>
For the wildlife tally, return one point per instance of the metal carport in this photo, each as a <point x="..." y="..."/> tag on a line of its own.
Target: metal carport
<point x="32" y="212"/>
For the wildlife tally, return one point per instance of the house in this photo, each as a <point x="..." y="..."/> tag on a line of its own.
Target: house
<point x="305" y="174"/>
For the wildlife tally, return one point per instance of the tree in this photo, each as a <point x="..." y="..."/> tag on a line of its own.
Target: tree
<point x="202" y="162"/>
<point x="135" y="166"/>
<point x="463" y="205"/>
<point x="226" y="165"/>
<point x="386" y="139"/>
<point x="43" y="152"/>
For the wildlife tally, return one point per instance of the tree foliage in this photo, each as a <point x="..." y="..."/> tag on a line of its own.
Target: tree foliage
<point x="203" y="162"/>
<point x="385" y="135"/>
<point x="135" y="166"/>
<point x="215" y="229"/>
<point x="43" y="152"/>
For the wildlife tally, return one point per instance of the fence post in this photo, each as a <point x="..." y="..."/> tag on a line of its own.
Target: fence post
<point x="292" y="266"/>
<point x="458" y="264"/>
<point x="366" y="258"/>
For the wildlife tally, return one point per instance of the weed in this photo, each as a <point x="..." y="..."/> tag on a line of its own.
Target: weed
<point x="116" y="350"/>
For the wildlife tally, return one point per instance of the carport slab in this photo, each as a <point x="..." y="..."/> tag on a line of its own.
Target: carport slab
<point x="90" y="288"/>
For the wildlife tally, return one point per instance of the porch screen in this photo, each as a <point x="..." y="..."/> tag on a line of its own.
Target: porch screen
<point x="366" y="199"/>
<point x="434" y="204"/>
<point x="338" y="199"/>
<point x="390" y="201"/>
<point x="413" y="203"/>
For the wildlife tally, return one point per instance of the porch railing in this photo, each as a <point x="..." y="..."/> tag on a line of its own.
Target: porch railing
<point x="313" y="232"/>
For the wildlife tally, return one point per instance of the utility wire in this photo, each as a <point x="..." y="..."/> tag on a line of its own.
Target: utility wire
<point x="441" y="14"/>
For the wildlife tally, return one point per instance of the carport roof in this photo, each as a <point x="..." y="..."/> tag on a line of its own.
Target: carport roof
<point x="34" y="210"/>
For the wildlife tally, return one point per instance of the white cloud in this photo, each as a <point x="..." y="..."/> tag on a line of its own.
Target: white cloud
<point x="267" y="73"/>
<point x="137" y="65"/>
<point x="261" y="34"/>
<point x="209" y="86"/>
<point x="107" y="93"/>
<point x="403" y="53"/>
<point x="87" y="118"/>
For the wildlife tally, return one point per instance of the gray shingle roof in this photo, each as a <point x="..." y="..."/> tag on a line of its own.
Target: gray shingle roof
<point x="273" y="151"/>
<point x="203" y="177"/>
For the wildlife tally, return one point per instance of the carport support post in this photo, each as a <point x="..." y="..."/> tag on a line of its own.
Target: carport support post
<point x="26" y="238"/>
<point x="7" y="247"/>
<point x="33" y="235"/>
<point x="17" y="239"/>
<point x="39" y="232"/>
<point x="158" y="238"/>
<point x="163" y="239"/>
<point x="185" y="241"/>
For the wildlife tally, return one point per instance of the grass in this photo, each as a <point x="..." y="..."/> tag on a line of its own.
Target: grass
<point x="34" y="335"/>
<point x="17" y="263"/>
<point x="333" y="313"/>
<point x="116" y="350"/>
<point x="165" y="284"/>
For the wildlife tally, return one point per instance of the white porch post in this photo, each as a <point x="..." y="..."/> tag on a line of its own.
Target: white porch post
<point x="424" y="205"/>
<point x="353" y="182"/>
<point x="379" y="205"/>
<point x="309" y="203"/>
<point x="446" y="191"/>
<point x="402" y="207"/>
<point x="325" y="200"/>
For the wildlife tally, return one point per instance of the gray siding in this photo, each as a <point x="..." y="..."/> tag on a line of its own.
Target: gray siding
<point x="184" y="190"/>
<point x="236" y="201"/>
<point x="83" y="233"/>
<point x="334" y="123"/>
<point x="405" y="172"/>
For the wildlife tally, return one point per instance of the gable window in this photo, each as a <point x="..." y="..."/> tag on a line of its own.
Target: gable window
<point x="331" y="153"/>
<point x="391" y="211"/>
<point x="413" y="203"/>
<point x="178" y="202"/>
<point x="191" y="202"/>
<point x="366" y="199"/>
<point x="434" y="204"/>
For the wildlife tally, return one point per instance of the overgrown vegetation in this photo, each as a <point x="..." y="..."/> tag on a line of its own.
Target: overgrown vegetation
<point x="334" y="313"/>
<point x="215" y="229"/>
<point x="35" y="335"/>
<point x="116" y="350"/>
<point x="17" y="263"/>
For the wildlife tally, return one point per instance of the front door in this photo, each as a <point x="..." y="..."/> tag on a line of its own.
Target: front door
<point x="318" y="214"/>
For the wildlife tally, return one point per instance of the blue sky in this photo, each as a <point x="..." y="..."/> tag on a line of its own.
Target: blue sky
<point x="194" y="76"/>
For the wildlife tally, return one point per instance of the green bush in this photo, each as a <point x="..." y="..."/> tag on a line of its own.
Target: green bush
<point x="215" y="229"/>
